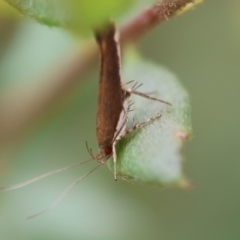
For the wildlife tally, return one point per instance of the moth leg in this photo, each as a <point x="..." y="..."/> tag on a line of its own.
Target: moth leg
<point x="137" y="85"/>
<point x="124" y="134"/>
<point x="138" y="125"/>
<point x="148" y="97"/>
<point x="117" y="137"/>
<point x="114" y="160"/>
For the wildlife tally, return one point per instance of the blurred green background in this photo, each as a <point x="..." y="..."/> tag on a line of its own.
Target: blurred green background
<point x="203" y="48"/>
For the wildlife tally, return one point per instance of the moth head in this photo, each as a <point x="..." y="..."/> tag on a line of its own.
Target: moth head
<point x="105" y="153"/>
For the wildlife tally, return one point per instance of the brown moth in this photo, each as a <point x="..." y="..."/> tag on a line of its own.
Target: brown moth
<point x="113" y="97"/>
<point x="112" y="109"/>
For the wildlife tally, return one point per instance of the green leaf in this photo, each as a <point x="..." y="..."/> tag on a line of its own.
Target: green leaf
<point x="152" y="153"/>
<point x="78" y="15"/>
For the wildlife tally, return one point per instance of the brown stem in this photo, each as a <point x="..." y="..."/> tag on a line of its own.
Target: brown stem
<point x="159" y="12"/>
<point x="18" y="112"/>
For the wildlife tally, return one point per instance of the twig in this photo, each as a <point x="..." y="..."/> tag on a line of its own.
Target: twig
<point x="158" y="13"/>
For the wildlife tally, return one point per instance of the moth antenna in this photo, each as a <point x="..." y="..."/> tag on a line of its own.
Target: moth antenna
<point x="149" y="97"/>
<point x="23" y="184"/>
<point x="63" y="194"/>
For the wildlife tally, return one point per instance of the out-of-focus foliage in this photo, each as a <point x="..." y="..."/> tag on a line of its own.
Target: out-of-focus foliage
<point x="6" y="10"/>
<point x="77" y="15"/>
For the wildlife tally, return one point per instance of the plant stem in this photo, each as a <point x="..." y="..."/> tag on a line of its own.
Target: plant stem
<point x="148" y="18"/>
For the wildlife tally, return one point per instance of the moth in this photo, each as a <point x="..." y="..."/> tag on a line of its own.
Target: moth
<point x="112" y="110"/>
<point x="113" y="97"/>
